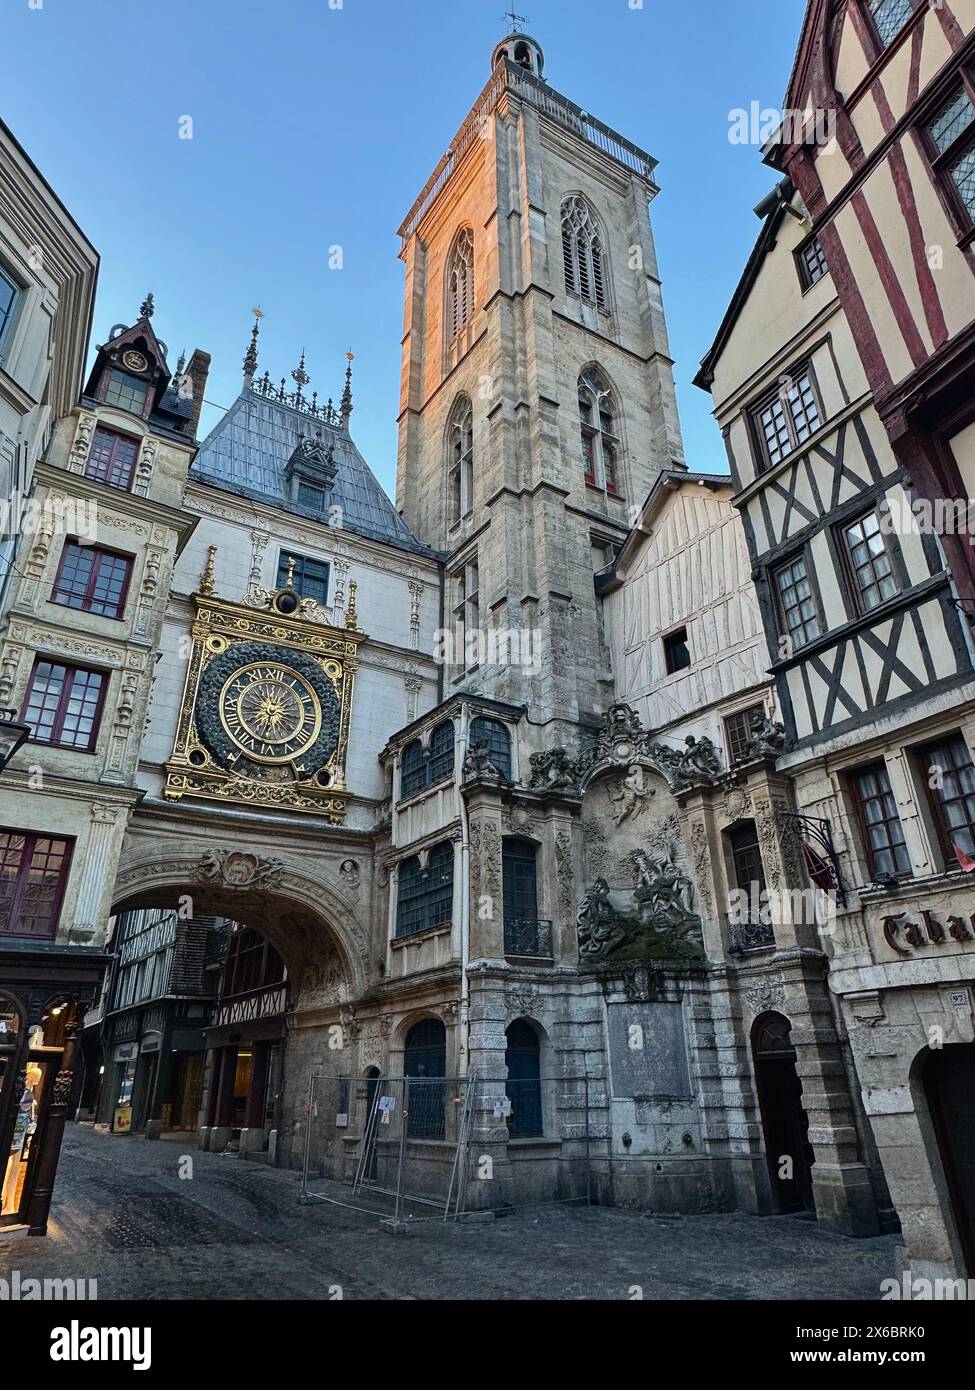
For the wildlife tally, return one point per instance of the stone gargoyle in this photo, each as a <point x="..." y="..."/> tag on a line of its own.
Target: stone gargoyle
<point x="552" y="770"/>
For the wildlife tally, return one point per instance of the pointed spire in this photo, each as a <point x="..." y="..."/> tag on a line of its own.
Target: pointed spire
<point x="250" y="358"/>
<point x="346" y="403"/>
<point x="147" y="307"/>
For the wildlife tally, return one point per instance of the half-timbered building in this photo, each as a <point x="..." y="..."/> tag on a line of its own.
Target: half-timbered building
<point x="867" y="620"/>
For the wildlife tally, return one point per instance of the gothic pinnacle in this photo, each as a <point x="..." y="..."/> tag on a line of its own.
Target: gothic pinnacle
<point x="346" y="402"/>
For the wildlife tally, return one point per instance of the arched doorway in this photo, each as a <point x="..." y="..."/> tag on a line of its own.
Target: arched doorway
<point x="784" y="1121"/>
<point x="949" y="1083"/>
<point x="425" y="1056"/>
<point x="524" y="1087"/>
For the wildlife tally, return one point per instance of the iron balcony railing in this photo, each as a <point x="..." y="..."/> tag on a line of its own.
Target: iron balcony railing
<point x="528" y="937"/>
<point x="749" y="935"/>
<point x="512" y="77"/>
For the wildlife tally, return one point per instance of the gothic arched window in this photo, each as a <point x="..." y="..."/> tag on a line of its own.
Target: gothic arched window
<point x="419" y="768"/>
<point x="460" y="454"/>
<point x="582" y="252"/>
<point x="600" y="436"/>
<point x="460" y="283"/>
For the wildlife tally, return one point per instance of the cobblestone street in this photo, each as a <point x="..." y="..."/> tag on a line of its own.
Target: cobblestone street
<point x="236" y="1230"/>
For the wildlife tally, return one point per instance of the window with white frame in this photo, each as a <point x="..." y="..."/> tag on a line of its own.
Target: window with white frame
<point x="786" y="418"/>
<point x="460" y="446"/>
<point x="600" y="432"/>
<point x="460" y="283"/>
<point x="582" y="252"/>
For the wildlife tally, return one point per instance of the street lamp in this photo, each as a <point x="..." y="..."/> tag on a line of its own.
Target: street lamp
<point x="12" y="734"/>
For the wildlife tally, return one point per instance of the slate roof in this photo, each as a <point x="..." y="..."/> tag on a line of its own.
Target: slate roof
<point x="247" y="451"/>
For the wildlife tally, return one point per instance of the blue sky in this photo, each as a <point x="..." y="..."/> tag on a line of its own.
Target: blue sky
<point x="316" y="123"/>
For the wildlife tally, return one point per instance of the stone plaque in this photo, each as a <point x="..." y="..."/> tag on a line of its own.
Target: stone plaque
<point x="647" y="1052"/>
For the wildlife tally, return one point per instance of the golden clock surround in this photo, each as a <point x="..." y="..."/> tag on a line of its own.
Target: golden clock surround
<point x="220" y="626"/>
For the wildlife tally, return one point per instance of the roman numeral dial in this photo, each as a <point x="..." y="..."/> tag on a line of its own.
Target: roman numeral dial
<point x="270" y="712"/>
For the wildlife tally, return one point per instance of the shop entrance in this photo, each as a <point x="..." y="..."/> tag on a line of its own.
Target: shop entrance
<point x="784" y="1121"/>
<point x="949" y="1081"/>
<point x="30" y="1060"/>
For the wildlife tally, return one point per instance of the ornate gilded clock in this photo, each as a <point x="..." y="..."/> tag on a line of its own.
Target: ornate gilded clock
<point x="266" y="705"/>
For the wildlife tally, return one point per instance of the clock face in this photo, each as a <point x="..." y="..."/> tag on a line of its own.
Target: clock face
<point x="267" y="713"/>
<point x="270" y="712"/>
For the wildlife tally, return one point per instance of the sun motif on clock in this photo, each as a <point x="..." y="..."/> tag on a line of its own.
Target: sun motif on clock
<point x="270" y="712"/>
<point x="265" y="712"/>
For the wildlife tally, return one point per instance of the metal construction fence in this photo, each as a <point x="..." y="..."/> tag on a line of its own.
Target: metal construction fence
<point x="420" y="1147"/>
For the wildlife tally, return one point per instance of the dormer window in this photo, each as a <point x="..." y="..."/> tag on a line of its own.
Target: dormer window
<point x="127" y="392"/>
<point x="311" y="497"/>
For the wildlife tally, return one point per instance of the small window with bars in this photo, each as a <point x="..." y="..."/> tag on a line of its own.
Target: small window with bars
<point x="424" y="897"/>
<point x="868" y="562"/>
<point x="950" y="780"/>
<point x="92" y="580"/>
<point x="111" y="458"/>
<point x="33" y="876"/>
<point x="787" y="417"/>
<point x="951" y="143"/>
<point x="812" y="262"/>
<point x="738" y="733"/>
<point x="63" y="705"/>
<point x="880" y="822"/>
<point x="798" y="610"/>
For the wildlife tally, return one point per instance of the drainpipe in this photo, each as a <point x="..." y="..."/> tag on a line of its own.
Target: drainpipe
<point x="463" y="1022"/>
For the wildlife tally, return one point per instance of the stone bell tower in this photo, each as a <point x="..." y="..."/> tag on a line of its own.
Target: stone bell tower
<point x="537" y="400"/>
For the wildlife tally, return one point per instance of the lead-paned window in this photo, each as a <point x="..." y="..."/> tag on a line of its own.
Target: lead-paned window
<point x="950" y="778"/>
<point x="310" y="577"/>
<point x="33" y="874"/>
<point x="798" y="612"/>
<point x="869" y="562"/>
<point x="413" y="769"/>
<point x="92" y="580"/>
<point x="787" y="417"/>
<point x="111" y="458"/>
<point x="498" y="740"/>
<point x="880" y="822"/>
<point x="63" y="705"/>
<point x="951" y="132"/>
<point x="424" y="897"/>
<point x="889" y="17"/>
